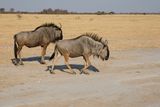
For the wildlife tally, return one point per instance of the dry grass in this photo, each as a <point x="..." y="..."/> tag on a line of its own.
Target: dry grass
<point x="122" y="31"/>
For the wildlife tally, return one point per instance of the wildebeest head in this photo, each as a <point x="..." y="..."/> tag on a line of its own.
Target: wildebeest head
<point x="104" y="52"/>
<point x="58" y="33"/>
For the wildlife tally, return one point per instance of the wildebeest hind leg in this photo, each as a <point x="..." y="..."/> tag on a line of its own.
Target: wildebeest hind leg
<point x="54" y="61"/>
<point x="66" y="57"/>
<point x="19" y="54"/>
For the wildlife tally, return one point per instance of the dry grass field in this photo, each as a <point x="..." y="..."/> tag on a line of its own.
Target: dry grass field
<point x="130" y="78"/>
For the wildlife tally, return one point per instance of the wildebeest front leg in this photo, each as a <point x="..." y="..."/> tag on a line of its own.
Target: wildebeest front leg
<point x="87" y="64"/>
<point x="54" y="61"/>
<point x="66" y="57"/>
<point x="44" y="48"/>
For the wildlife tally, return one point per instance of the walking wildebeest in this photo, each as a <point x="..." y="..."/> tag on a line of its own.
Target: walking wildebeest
<point x="41" y="36"/>
<point x="85" y="45"/>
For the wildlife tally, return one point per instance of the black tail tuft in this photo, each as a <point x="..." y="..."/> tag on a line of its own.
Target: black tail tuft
<point x="54" y="53"/>
<point x="15" y="46"/>
<point x="52" y="56"/>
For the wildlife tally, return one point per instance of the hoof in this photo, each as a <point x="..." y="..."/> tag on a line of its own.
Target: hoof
<point x="81" y="72"/>
<point x="14" y="61"/>
<point x="84" y="72"/>
<point x="21" y="63"/>
<point x="74" y="73"/>
<point x="42" y="62"/>
<point x="51" y="72"/>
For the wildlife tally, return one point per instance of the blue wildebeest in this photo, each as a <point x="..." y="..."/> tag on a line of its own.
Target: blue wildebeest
<point x="85" y="45"/>
<point x="41" y="36"/>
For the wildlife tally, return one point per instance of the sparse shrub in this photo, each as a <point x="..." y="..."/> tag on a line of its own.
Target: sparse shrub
<point x="111" y="12"/>
<point x="19" y="16"/>
<point x="100" y="13"/>
<point x="91" y="19"/>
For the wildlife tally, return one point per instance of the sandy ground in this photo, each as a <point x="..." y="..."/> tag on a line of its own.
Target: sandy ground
<point x="130" y="78"/>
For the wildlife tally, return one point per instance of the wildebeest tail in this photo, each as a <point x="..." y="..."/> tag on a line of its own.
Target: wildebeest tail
<point x="54" y="53"/>
<point x="15" y="46"/>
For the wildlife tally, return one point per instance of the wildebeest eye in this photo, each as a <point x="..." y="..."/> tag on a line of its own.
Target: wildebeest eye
<point x="58" y="28"/>
<point x="104" y="46"/>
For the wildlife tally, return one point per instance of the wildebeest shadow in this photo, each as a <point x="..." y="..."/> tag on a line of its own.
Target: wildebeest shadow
<point x="31" y="59"/>
<point x="36" y="58"/>
<point x="58" y="67"/>
<point x="73" y="66"/>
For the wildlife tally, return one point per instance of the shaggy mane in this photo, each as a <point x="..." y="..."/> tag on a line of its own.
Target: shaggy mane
<point x="48" y="25"/>
<point x="93" y="36"/>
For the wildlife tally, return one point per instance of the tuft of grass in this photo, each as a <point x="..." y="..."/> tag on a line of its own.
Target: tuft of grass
<point x="91" y="19"/>
<point x="77" y="18"/>
<point x="36" y="17"/>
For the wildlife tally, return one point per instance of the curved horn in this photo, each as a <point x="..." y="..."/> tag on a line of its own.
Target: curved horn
<point x="105" y="42"/>
<point x="60" y="25"/>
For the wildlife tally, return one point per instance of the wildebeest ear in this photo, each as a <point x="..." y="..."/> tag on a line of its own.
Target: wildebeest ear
<point x="105" y="42"/>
